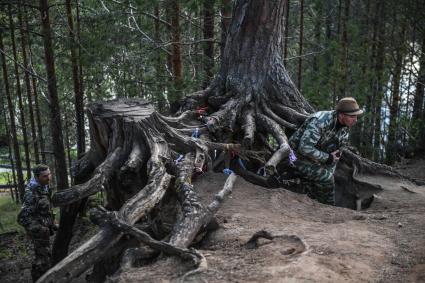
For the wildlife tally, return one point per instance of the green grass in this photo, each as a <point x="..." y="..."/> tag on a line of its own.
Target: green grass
<point x="8" y="212"/>
<point x="5" y="177"/>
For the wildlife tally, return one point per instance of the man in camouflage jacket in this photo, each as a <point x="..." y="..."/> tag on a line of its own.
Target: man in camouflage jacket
<point x="317" y="144"/>
<point x="37" y="218"/>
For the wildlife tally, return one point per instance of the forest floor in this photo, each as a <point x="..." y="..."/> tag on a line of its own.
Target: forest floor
<point x="312" y="243"/>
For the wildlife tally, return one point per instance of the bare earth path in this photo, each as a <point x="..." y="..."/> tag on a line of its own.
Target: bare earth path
<point x="315" y="243"/>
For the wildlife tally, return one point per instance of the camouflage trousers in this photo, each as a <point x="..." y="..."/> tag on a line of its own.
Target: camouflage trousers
<point x="318" y="180"/>
<point x="40" y="238"/>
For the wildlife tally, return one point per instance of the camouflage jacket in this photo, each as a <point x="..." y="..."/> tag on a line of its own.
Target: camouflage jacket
<point x="319" y="136"/>
<point x="36" y="205"/>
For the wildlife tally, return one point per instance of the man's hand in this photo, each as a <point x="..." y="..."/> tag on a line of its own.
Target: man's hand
<point x="336" y="155"/>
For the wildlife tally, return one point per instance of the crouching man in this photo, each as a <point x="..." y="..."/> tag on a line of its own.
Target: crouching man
<point x="317" y="144"/>
<point x="36" y="217"/>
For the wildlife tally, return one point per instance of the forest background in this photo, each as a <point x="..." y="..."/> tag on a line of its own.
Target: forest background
<point x="58" y="56"/>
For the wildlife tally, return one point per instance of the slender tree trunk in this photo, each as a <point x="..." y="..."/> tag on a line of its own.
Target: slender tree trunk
<point x="286" y="34"/>
<point x="392" y="148"/>
<point x="378" y="83"/>
<point x="208" y="30"/>
<point x="28" y="88"/>
<point x="60" y="245"/>
<point x="11" y="108"/>
<point x="161" y="103"/>
<point x="79" y="99"/>
<point x="13" y="191"/>
<point x="369" y="126"/>
<point x="40" y="137"/>
<point x="176" y="58"/>
<point x="226" y="14"/>
<point x="68" y="145"/>
<point x="300" y="47"/>
<point x="418" y="106"/>
<point x="80" y="61"/>
<point x="344" y="50"/>
<point x="19" y="95"/>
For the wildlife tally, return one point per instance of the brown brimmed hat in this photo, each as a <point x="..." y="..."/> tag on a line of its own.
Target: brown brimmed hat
<point x="348" y="106"/>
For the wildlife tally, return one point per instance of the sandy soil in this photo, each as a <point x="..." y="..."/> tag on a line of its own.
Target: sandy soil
<point x="312" y="243"/>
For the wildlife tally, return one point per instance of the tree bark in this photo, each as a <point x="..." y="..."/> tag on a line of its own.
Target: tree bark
<point x="78" y="95"/>
<point x="176" y="57"/>
<point x="418" y="106"/>
<point x="60" y="245"/>
<point x="19" y="95"/>
<point x="226" y="15"/>
<point x="40" y="137"/>
<point x="286" y="36"/>
<point x="28" y="88"/>
<point x="11" y="108"/>
<point x="392" y="149"/>
<point x="344" y="51"/>
<point x="300" y="46"/>
<point x="208" y="31"/>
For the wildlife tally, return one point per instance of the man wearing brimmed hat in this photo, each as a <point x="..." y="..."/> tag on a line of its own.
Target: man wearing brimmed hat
<point x="317" y="145"/>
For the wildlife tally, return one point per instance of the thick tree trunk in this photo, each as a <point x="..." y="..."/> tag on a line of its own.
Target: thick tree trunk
<point x="19" y="95"/>
<point x="11" y="108"/>
<point x="226" y="15"/>
<point x="63" y="236"/>
<point x="286" y="30"/>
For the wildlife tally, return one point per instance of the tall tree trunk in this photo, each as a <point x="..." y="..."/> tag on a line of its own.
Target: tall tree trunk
<point x="13" y="190"/>
<point x="286" y="31"/>
<point x="344" y="51"/>
<point x="392" y="148"/>
<point x="176" y="57"/>
<point x="24" y="45"/>
<point x="11" y="108"/>
<point x="418" y="106"/>
<point x="40" y="137"/>
<point x="226" y="14"/>
<point x="61" y="243"/>
<point x="378" y="83"/>
<point x="161" y="103"/>
<point x="19" y="95"/>
<point x="300" y="47"/>
<point x="79" y="99"/>
<point x="208" y="31"/>
<point x="80" y="61"/>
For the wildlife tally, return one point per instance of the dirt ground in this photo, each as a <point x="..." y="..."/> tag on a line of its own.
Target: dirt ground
<point x="312" y="242"/>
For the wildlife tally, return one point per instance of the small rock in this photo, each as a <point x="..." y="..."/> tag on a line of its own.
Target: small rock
<point x="381" y="217"/>
<point x="399" y="225"/>
<point x="359" y="217"/>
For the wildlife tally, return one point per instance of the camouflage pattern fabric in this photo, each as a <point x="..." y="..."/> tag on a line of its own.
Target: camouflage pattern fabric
<point x="37" y="219"/>
<point x="40" y="238"/>
<point x="313" y="142"/>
